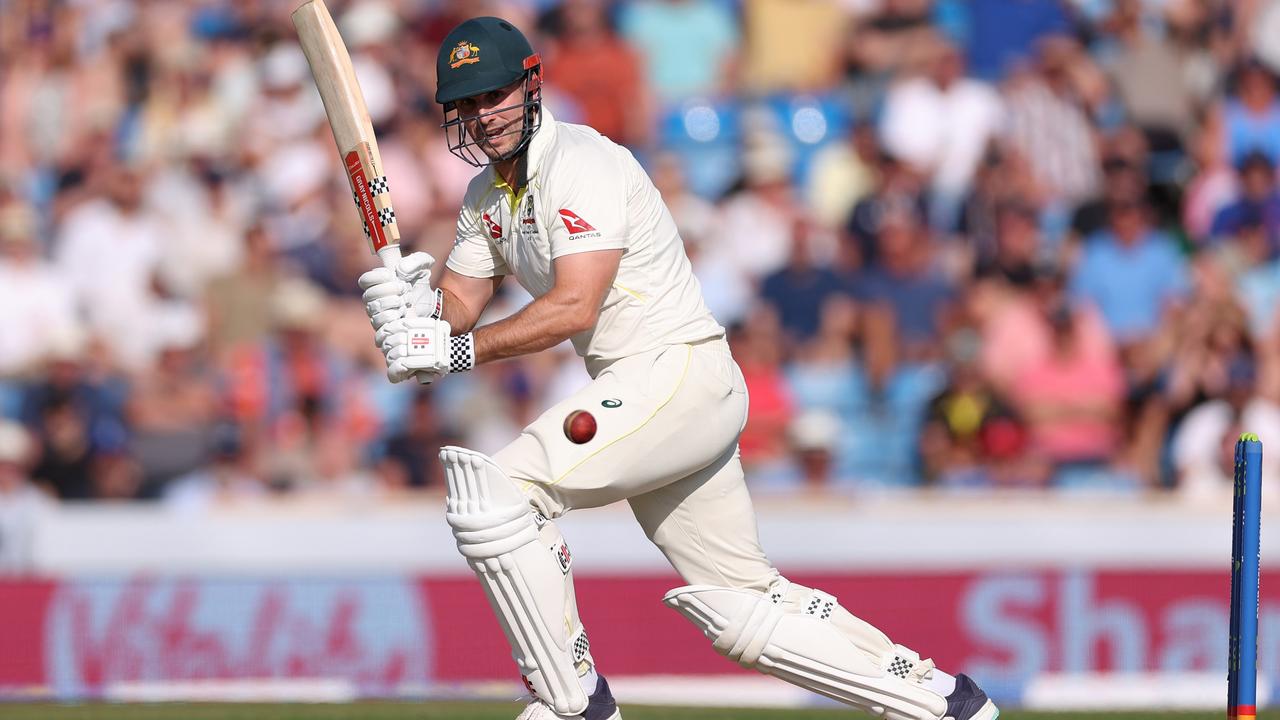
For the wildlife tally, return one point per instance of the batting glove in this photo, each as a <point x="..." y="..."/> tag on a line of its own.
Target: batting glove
<point x="388" y="293"/>
<point x="413" y="345"/>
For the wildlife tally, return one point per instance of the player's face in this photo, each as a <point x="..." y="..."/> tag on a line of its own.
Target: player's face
<point x="495" y="120"/>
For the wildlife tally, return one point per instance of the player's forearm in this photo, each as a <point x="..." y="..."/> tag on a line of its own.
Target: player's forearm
<point x="543" y="323"/>
<point x="454" y="311"/>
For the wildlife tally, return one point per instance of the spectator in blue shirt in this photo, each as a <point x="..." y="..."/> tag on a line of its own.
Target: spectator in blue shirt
<point x="798" y="291"/>
<point x="898" y="190"/>
<point x="1250" y="119"/>
<point x="687" y="47"/>
<point x="1132" y="273"/>
<point x="1259" y="202"/>
<point x="906" y="281"/>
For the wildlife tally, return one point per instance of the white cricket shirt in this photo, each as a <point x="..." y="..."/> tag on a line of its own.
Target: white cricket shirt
<point x="585" y="193"/>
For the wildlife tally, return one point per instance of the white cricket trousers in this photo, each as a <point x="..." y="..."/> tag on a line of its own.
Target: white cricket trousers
<point x="667" y="442"/>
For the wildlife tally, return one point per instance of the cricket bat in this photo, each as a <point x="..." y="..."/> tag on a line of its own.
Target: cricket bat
<point x="352" y="131"/>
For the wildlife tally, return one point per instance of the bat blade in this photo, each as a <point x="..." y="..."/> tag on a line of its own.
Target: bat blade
<point x="344" y="104"/>
<point x="348" y="115"/>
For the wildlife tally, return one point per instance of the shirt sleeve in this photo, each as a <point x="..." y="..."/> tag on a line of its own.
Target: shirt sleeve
<point x="590" y="207"/>
<point x="474" y="254"/>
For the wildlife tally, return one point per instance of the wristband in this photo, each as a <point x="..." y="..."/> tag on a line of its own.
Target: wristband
<point x="462" y="353"/>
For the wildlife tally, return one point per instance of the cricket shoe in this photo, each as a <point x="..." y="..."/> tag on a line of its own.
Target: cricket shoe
<point x="968" y="702"/>
<point x="600" y="706"/>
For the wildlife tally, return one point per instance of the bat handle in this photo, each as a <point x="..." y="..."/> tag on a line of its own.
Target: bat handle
<point x="390" y="257"/>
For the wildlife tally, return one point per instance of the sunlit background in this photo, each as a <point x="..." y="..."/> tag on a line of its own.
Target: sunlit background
<point x="1002" y="276"/>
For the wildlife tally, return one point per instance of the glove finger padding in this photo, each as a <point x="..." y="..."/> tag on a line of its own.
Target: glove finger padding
<point x="378" y="306"/>
<point x="385" y="336"/>
<point x="400" y="371"/>
<point x="395" y="351"/>
<point x="401" y="366"/>
<point x="415" y="266"/>
<point x="415" y="271"/>
<point x="382" y="319"/>
<point x="376" y="276"/>
<point x="392" y="288"/>
<point x="383" y="297"/>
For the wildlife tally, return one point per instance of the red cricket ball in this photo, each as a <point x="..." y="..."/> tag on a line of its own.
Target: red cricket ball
<point x="580" y="426"/>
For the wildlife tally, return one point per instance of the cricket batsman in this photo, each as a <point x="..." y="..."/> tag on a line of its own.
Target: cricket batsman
<point x="573" y="217"/>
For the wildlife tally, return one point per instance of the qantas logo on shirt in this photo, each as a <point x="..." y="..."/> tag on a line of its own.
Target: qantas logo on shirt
<point x="574" y="224"/>
<point x="495" y="230"/>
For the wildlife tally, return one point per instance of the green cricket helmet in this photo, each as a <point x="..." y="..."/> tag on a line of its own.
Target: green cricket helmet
<point x="481" y="55"/>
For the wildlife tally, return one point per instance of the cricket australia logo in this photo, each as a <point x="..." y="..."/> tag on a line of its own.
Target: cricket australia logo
<point x="528" y="223"/>
<point x="563" y="556"/>
<point x="464" y="53"/>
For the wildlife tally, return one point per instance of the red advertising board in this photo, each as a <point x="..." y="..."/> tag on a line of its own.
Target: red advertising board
<point x="77" y="636"/>
<point x="23" y="608"/>
<point x="1009" y="625"/>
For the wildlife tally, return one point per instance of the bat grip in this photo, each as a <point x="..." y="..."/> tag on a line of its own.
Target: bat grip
<point x="390" y="257"/>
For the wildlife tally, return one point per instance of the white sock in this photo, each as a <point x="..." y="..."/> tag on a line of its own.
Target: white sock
<point x="589" y="680"/>
<point x="940" y="682"/>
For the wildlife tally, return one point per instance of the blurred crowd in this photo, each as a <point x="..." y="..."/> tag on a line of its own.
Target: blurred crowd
<point x="957" y="243"/>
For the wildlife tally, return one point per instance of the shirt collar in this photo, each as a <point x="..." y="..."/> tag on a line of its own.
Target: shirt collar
<point x="541" y="142"/>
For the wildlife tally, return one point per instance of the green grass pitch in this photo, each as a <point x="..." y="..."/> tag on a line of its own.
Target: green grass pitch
<point x="482" y="711"/>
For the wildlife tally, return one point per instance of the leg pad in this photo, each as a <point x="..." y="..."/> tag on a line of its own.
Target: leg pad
<point x="789" y="633"/>
<point x="498" y="534"/>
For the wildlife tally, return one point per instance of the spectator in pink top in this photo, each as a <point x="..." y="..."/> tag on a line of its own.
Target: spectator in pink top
<point x="1072" y="399"/>
<point x="1018" y="334"/>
